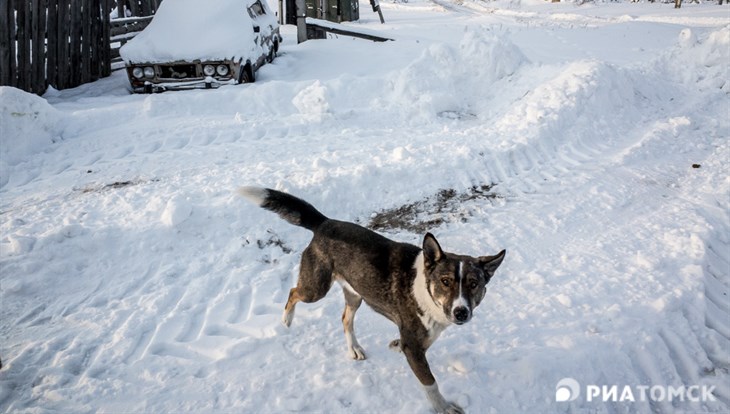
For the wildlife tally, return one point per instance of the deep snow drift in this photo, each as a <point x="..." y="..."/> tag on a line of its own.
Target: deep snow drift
<point x="591" y="142"/>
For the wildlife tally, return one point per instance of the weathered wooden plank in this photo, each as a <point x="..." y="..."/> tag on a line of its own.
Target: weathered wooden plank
<point x="76" y="28"/>
<point x="99" y="45"/>
<point x="38" y="46"/>
<point x="90" y="12"/>
<point x="97" y="38"/>
<point x="24" y="44"/>
<point x="64" y="45"/>
<point x="130" y="25"/>
<point x="7" y="43"/>
<point x="52" y="43"/>
<point x="318" y="28"/>
<point x="85" y="50"/>
<point x="133" y="7"/>
<point x="94" y="15"/>
<point x="106" y="69"/>
<point x="145" y="7"/>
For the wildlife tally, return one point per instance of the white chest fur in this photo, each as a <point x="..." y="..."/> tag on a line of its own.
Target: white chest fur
<point x="432" y="317"/>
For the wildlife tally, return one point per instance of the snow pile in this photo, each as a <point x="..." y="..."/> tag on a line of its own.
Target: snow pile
<point x="581" y="96"/>
<point x="28" y="125"/>
<point x="312" y="102"/>
<point x="701" y="62"/>
<point x="176" y="211"/>
<point x="199" y="29"/>
<point x="454" y="81"/>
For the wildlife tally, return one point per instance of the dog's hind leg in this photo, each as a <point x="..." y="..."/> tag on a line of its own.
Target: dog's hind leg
<point x="315" y="280"/>
<point x="352" y="303"/>
<point x="288" y="315"/>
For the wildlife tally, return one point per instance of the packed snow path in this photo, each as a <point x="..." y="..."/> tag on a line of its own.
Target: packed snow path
<point x="133" y="279"/>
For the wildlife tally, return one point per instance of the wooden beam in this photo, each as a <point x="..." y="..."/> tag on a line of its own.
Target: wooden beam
<point x="319" y="27"/>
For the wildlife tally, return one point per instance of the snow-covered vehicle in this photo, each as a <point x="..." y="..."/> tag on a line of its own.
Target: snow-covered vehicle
<point x="202" y="44"/>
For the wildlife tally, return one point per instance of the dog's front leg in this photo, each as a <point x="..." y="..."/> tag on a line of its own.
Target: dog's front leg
<point x="416" y="356"/>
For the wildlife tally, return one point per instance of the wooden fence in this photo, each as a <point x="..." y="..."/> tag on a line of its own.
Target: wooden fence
<point x="124" y="29"/>
<point x="62" y="43"/>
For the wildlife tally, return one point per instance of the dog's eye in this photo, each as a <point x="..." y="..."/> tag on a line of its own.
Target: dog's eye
<point x="473" y="284"/>
<point x="445" y="281"/>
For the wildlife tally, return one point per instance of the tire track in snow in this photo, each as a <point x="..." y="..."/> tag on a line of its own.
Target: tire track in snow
<point x="624" y="200"/>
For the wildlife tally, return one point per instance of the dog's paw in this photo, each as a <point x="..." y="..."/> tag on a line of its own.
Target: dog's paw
<point x="453" y="408"/>
<point x="395" y="346"/>
<point x="439" y="404"/>
<point x="357" y="353"/>
<point x="286" y="318"/>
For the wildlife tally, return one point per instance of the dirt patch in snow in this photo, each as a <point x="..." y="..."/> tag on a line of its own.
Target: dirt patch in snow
<point x="273" y="240"/>
<point x="111" y="186"/>
<point x="433" y="211"/>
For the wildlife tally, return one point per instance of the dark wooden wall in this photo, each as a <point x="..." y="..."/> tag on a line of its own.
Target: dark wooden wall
<point x="62" y="43"/>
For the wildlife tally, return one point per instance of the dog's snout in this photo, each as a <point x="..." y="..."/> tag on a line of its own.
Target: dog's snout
<point x="461" y="314"/>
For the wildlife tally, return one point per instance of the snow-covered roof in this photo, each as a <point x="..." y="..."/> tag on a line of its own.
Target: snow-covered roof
<point x="198" y="29"/>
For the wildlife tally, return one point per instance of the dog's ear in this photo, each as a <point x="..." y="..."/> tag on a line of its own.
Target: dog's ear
<point x="491" y="263"/>
<point x="432" y="252"/>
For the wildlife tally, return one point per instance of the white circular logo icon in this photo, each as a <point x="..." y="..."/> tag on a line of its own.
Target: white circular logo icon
<point x="567" y="389"/>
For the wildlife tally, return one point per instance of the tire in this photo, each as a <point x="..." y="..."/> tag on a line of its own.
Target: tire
<point x="247" y="74"/>
<point x="272" y="52"/>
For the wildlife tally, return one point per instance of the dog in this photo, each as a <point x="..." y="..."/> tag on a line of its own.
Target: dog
<point x="423" y="290"/>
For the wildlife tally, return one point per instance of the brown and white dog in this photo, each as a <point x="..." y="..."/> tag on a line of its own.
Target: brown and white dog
<point x="421" y="290"/>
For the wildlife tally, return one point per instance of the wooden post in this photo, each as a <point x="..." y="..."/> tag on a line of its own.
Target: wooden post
<point x="301" y="21"/>
<point x="375" y="4"/>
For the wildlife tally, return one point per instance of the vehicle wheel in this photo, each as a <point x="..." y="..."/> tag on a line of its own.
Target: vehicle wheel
<point x="247" y="74"/>
<point x="272" y="52"/>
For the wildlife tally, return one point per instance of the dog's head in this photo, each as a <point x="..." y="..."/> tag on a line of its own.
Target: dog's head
<point x="456" y="283"/>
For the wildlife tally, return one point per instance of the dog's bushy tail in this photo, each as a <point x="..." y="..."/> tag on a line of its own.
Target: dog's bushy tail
<point x="292" y="209"/>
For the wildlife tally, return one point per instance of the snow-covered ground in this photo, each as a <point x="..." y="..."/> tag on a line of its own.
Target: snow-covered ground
<point x="589" y="141"/>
